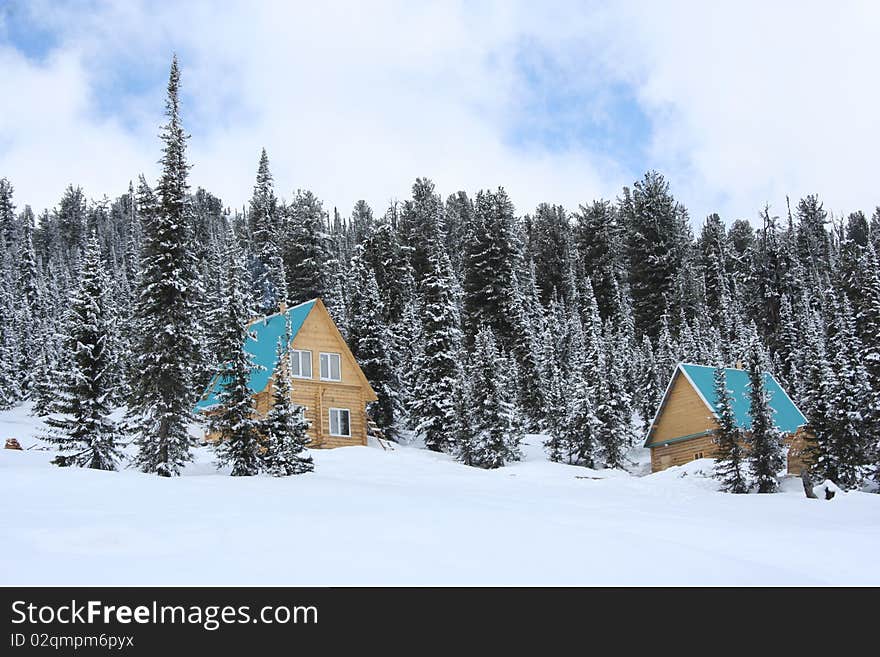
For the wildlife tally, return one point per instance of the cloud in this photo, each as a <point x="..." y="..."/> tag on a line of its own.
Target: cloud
<point x="739" y="103"/>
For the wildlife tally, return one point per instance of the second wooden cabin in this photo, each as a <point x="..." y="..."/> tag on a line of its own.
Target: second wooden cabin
<point x="684" y="427"/>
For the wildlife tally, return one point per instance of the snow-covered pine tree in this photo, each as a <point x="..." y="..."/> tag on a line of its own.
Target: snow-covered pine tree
<point x="79" y="415"/>
<point x="267" y="266"/>
<point x="766" y="281"/>
<point x="650" y="388"/>
<point x="713" y="256"/>
<point x="844" y="448"/>
<point x="868" y="325"/>
<point x="527" y="319"/>
<point x="617" y="356"/>
<point x="598" y="238"/>
<point x="581" y="428"/>
<point x="44" y="383"/>
<point x="8" y="227"/>
<point x="657" y="237"/>
<point x="306" y="248"/>
<point x="464" y="435"/>
<point x="550" y="248"/>
<point x="611" y="437"/>
<point x="490" y="264"/>
<point x="284" y="427"/>
<point x="166" y="348"/>
<point x="730" y="461"/>
<point x="372" y="345"/>
<point x="407" y="334"/>
<point x="29" y="313"/>
<point x="235" y="423"/>
<point x="337" y="294"/>
<point x="765" y="456"/>
<point x="387" y="258"/>
<point x="10" y="388"/>
<point x="556" y="409"/>
<point x="458" y="213"/>
<point x="666" y="355"/>
<point x="422" y="226"/>
<point x="497" y="439"/>
<point x="437" y="361"/>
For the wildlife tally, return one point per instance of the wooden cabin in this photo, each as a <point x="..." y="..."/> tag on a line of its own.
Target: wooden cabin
<point x="684" y="426"/>
<point x="326" y="381"/>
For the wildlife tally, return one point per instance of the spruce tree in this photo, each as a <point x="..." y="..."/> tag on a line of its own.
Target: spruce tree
<point x="79" y="415"/>
<point x="372" y="345"/>
<point x="8" y="227"/>
<point x="558" y="423"/>
<point x="29" y="315"/>
<point x="765" y="440"/>
<point x="43" y="390"/>
<point x="582" y="430"/>
<point x="497" y="439"/>
<point x="458" y="214"/>
<point x="844" y="447"/>
<point x="491" y="260"/>
<point x="10" y="379"/>
<point x="730" y="461"/>
<point x="284" y="429"/>
<point x="306" y="248"/>
<point x="656" y="239"/>
<point x="713" y="256"/>
<point x="651" y="385"/>
<point x="464" y="435"/>
<point x="166" y="348"/>
<point x="387" y="258"/>
<point x="437" y="361"/>
<point x="528" y="318"/>
<point x="422" y="225"/>
<point x="235" y="423"/>
<point x="267" y="266"/>
<point x="598" y="238"/>
<point x="550" y="248"/>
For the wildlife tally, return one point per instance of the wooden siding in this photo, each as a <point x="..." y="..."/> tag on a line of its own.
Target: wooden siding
<point x="319" y="334"/>
<point x="685" y="451"/>
<point x="318" y="398"/>
<point x="681" y="452"/>
<point x="684" y="413"/>
<point x="798" y="458"/>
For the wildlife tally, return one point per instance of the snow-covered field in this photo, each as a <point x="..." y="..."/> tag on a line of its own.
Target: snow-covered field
<point x="408" y="516"/>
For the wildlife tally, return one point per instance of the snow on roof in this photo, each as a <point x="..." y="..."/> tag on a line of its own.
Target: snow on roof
<point x="262" y="346"/>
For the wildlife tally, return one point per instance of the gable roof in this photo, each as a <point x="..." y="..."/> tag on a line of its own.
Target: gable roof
<point x="262" y="345"/>
<point x="786" y="416"/>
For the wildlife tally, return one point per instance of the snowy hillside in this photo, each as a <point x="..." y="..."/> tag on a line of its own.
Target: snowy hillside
<point x="408" y="516"/>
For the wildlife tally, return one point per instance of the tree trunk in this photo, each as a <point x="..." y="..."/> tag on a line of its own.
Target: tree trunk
<point x="808" y="484"/>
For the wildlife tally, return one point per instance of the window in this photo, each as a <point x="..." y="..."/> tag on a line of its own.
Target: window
<point x="330" y="367"/>
<point x="300" y="364"/>
<point x="698" y="455"/>
<point x="340" y="422"/>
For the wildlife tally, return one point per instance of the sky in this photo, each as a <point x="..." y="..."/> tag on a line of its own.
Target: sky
<point x="738" y="104"/>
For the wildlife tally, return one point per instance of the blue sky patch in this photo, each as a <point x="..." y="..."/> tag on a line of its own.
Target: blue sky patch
<point x="574" y="105"/>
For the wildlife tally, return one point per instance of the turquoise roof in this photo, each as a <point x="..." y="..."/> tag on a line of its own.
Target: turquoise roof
<point x="262" y="345"/>
<point x="785" y="414"/>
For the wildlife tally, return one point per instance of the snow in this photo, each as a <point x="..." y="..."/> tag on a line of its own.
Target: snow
<point x="413" y="517"/>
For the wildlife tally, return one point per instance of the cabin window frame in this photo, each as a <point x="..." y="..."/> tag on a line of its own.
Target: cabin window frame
<point x="299" y="353"/>
<point x="329" y="376"/>
<point x="338" y="411"/>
